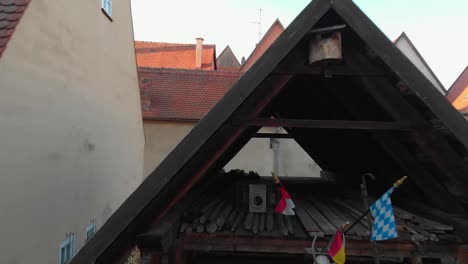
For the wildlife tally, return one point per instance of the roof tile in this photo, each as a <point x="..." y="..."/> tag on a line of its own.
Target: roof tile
<point x="173" y="55"/>
<point x="11" y="12"/>
<point x="458" y="92"/>
<point x="182" y="95"/>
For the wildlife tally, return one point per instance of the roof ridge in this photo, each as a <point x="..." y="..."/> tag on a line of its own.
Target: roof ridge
<point x="191" y="71"/>
<point x="172" y="43"/>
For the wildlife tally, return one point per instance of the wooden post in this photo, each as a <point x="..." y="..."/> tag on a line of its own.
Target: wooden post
<point x="177" y="255"/>
<point x="416" y="260"/>
<point x="462" y="254"/>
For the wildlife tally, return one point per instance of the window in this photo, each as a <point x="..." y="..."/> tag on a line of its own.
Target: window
<point x="67" y="249"/>
<point x="91" y="229"/>
<point x="106" y="6"/>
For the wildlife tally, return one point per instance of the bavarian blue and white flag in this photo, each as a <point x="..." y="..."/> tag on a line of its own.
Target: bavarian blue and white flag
<point x="384" y="220"/>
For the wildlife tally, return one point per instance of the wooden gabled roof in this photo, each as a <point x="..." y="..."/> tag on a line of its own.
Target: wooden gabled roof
<point x="227" y="61"/>
<point x="374" y="112"/>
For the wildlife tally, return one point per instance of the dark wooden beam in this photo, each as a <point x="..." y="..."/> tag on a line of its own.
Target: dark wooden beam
<point x="328" y="71"/>
<point x="330" y="124"/>
<point x="442" y="155"/>
<point x="423" y="179"/>
<point x="272" y="135"/>
<point x="203" y="242"/>
<point x="383" y="48"/>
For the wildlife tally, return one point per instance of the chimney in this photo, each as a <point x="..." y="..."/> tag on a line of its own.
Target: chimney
<point x="198" y="53"/>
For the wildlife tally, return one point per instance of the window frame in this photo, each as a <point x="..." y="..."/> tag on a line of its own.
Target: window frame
<point x="90" y="227"/>
<point x="67" y="249"/>
<point x="106" y="8"/>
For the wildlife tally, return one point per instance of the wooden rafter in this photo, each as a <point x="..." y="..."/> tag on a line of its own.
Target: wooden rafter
<point x="425" y="136"/>
<point x="423" y="179"/>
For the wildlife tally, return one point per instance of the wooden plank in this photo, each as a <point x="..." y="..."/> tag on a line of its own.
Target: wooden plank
<point x="360" y="229"/>
<point x="231" y="218"/>
<point x="211" y="227"/>
<point x="214" y="214"/>
<point x="422" y="221"/>
<point x="325" y="209"/>
<point x="238" y="220"/>
<point x="248" y="221"/>
<point x="310" y="226"/>
<point x="208" y="209"/>
<point x="327" y="124"/>
<point x="289" y="226"/>
<point x="261" y="225"/>
<point x="183" y="226"/>
<point x="255" y="224"/>
<point x="223" y="216"/>
<point x="188" y="230"/>
<point x="421" y="231"/>
<point x="270" y="222"/>
<point x="319" y="218"/>
<point x="200" y="228"/>
<point x="281" y="225"/>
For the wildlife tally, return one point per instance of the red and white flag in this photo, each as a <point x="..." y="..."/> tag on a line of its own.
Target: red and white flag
<point x="285" y="205"/>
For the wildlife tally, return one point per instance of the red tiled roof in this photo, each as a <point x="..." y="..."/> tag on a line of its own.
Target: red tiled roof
<point x="458" y="92"/>
<point x="270" y="36"/>
<point x="181" y="95"/>
<point x="173" y="55"/>
<point x="11" y="12"/>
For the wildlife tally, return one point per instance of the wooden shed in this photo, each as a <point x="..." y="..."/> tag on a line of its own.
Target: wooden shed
<point x="356" y="105"/>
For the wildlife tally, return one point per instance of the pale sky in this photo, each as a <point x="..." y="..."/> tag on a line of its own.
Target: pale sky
<point x="438" y="29"/>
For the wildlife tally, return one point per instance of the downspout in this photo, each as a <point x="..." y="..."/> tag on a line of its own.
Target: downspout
<point x="275" y="147"/>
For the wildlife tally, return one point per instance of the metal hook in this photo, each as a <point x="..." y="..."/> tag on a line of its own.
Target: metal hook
<point x="363" y="177"/>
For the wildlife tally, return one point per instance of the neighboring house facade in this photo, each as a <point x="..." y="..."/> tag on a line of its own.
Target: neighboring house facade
<point x="71" y="141"/>
<point x="174" y="100"/>
<point x="405" y="45"/>
<point x="270" y="36"/>
<point x="227" y="61"/>
<point x="458" y="93"/>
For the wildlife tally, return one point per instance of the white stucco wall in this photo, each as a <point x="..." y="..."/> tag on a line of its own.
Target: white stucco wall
<point x="71" y="140"/>
<point x="257" y="155"/>
<point x="160" y="139"/>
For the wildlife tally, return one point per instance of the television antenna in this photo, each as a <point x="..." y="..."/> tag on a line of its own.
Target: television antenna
<point x="259" y="23"/>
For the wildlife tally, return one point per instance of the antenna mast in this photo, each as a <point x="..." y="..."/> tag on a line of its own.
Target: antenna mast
<point x="260" y="25"/>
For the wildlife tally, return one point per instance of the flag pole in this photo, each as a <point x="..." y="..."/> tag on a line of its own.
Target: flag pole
<point x="365" y="200"/>
<point x="395" y="185"/>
